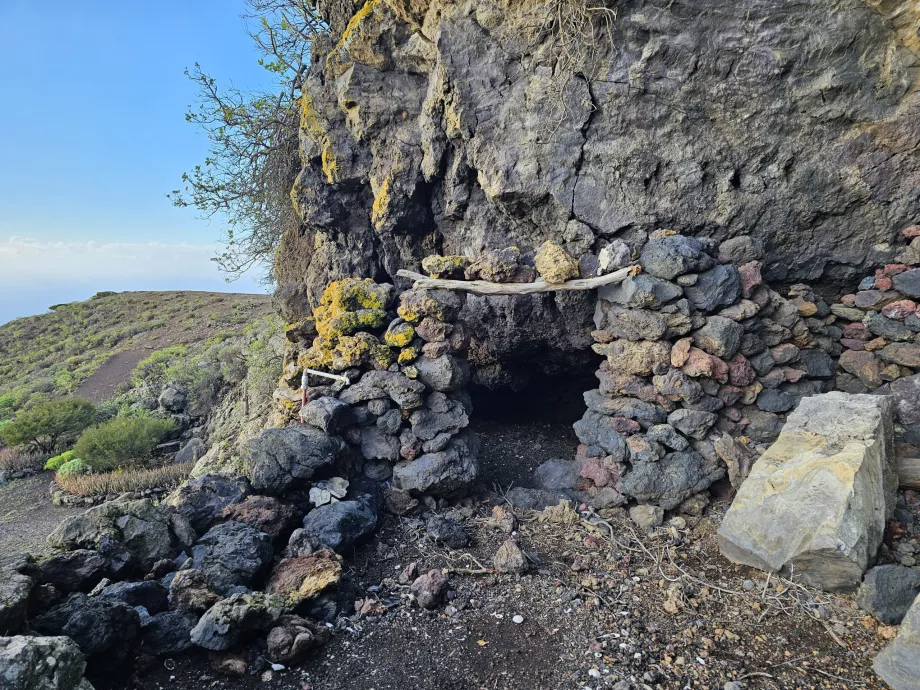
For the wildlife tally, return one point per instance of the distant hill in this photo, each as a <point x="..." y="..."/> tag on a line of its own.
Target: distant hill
<point x="91" y="348"/>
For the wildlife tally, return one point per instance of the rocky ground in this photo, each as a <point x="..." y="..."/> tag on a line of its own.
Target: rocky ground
<point x="27" y="514"/>
<point x="599" y="605"/>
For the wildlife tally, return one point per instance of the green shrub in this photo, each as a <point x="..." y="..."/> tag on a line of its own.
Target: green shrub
<point x="58" y="460"/>
<point x="74" y="467"/>
<point x="153" y="370"/>
<point x="50" y="424"/>
<point x="121" y="441"/>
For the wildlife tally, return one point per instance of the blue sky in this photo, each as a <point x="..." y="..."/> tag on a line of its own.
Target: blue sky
<point x="93" y="136"/>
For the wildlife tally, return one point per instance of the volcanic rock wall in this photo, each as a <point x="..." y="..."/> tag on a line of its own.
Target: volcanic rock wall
<point x="457" y="127"/>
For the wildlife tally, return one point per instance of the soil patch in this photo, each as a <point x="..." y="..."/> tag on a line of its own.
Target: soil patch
<point x="27" y="514"/>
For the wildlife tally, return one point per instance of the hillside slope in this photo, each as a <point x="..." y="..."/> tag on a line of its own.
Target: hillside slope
<point x="92" y="347"/>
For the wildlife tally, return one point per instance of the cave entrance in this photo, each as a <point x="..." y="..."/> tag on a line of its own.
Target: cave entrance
<point x="520" y="429"/>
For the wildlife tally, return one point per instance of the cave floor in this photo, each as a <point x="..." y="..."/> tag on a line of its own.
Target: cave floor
<point x="601" y="604"/>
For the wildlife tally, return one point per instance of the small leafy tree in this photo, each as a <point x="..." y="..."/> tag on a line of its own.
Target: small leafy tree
<point x="254" y="157"/>
<point x="50" y="424"/>
<point x="121" y="442"/>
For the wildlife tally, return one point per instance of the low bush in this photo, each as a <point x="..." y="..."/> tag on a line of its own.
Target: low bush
<point x="121" y="441"/>
<point x="50" y="424"/>
<point x="127" y="480"/>
<point x="58" y="460"/>
<point x="16" y="459"/>
<point x="73" y="468"/>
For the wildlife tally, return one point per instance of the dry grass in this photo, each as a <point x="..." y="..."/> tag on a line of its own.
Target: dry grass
<point x="16" y="460"/>
<point x="126" y="480"/>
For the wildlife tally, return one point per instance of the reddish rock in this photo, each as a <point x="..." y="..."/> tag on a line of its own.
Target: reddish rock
<point x="740" y="371"/>
<point x="300" y="579"/>
<point x="584" y="452"/>
<point x="749" y="274"/>
<point x="899" y="310"/>
<point x="874" y="299"/>
<point x="792" y="375"/>
<point x="733" y="414"/>
<point x="857" y="331"/>
<point x="596" y="470"/>
<point x="852" y="344"/>
<point x="436" y="349"/>
<point x="429" y="589"/>
<point x="863" y="365"/>
<point x="624" y="425"/>
<point x="912" y="231"/>
<point x="730" y="394"/>
<point x="883" y="282"/>
<point x="265" y="513"/>
<point x="848" y="300"/>
<point x="892" y="270"/>
<point x="700" y="363"/>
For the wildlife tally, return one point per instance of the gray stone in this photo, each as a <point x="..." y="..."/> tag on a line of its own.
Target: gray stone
<point x="762" y="363"/>
<point x="150" y="594"/>
<point x="676" y="385"/>
<point x="646" y="517"/>
<point x="377" y="444"/>
<point x="329" y="415"/>
<point x="510" y="558"/>
<point x="674" y="255"/>
<point x="888" y="591"/>
<point x="169" y="633"/>
<point x="232" y="620"/>
<point x="718" y="287"/>
<point x="447" y="531"/>
<point x="595" y="429"/>
<point x="105" y="630"/>
<point x="640" y="291"/>
<point x="405" y="392"/>
<point x="906" y="394"/>
<point x="429" y="589"/>
<point x="132" y="534"/>
<point x="444" y="374"/>
<point x="231" y="554"/>
<point x="908" y="282"/>
<point x="192" y="451"/>
<point x="673" y="479"/>
<point x="762" y="426"/>
<point x="556" y="475"/>
<point x="534" y="499"/>
<point x="772" y="400"/>
<point x="887" y="328"/>
<point x="720" y="337"/>
<point x="668" y="436"/>
<point x="447" y="472"/>
<point x="339" y="526"/>
<point x="14" y="600"/>
<point x="740" y="250"/>
<point x="440" y="414"/>
<point x="280" y="459"/>
<point x="173" y="399"/>
<point x="74" y="571"/>
<point x="818" y="364"/>
<point x="293" y="638"/>
<point x="631" y="324"/>
<point x="693" y="423"/>
<point x="41" y="663"/>
<point x="898" y="664"/>
<point x="816" y="503"/>
<point x="202" y="499"/>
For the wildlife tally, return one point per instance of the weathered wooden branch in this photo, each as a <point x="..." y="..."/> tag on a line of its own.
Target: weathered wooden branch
<point x="484" y="287"/>
<point x="337" y="377"/>
<point x="909" y="473"/>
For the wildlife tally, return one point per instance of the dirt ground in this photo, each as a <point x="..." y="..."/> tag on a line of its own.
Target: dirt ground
<point x="600" y="605"/>
<point x="27" y="514"/>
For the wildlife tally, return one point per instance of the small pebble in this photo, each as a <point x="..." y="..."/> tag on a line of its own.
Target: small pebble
<point x="594" y="673"/>
<point x="518" y="619"/>
<point x="748" y="585"/>
<point x="278" y="667"/>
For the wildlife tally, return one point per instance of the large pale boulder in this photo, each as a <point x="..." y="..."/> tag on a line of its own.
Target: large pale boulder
<point x="899" y="663"/>
<point x="41" y="663"/>
<point x="815" y="504"/>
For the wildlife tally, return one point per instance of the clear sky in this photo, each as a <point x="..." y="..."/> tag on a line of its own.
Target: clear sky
<point x="92" y="138"/>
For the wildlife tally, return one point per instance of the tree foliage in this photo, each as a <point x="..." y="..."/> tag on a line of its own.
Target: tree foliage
<point x="50" y="424"/>
<point x="253" y="159"/>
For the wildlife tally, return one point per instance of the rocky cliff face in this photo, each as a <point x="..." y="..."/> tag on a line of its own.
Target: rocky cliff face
<point x="458" y="127"/>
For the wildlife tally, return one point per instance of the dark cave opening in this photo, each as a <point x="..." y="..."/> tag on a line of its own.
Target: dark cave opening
<point x="556" y="399"/>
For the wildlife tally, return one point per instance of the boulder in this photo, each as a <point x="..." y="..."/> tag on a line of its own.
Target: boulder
<point x="152" y="595"/>
<point x="340" y="525"/>
<point x="105" y="630"/>
<point x="173" y="399"/>
<point x="888" y="591"/>
<point x="898" y="664"/>
<point x="41" y="663"/>
<point x="671" y="480"/>
<point x="190" y="591"/>
<point x="74" y="571"/>
<point x="263" y="513"/>
<point x="669" y="257"/>
<point x="720" y="286"/>
<point x="293" y="637"/>
<point x="442" y="473"/>
<point x="201" y="499"/>
<point x="132" y="534"/>
<point x="303" y="578"/>
<point x="14" y="600"/>
<point x="329" y="415"/>
<point x="232" y="620"/>
<point x="169" y="633"/>
<point x="192" y="451"/>
<point x="231" y="555"/>
<point x="556" y="475"/>
<point x="816" y="502"/>
<point x="280" y="459"/>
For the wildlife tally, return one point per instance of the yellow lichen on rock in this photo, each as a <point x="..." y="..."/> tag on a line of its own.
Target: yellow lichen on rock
<point x="330" y="166"/>
<point x="555" y="264"/>
<point x="409" y="354"/>
<point x="399" y="334"/>
<point x="451" y="266"/>
<point x="381" y="206"/>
